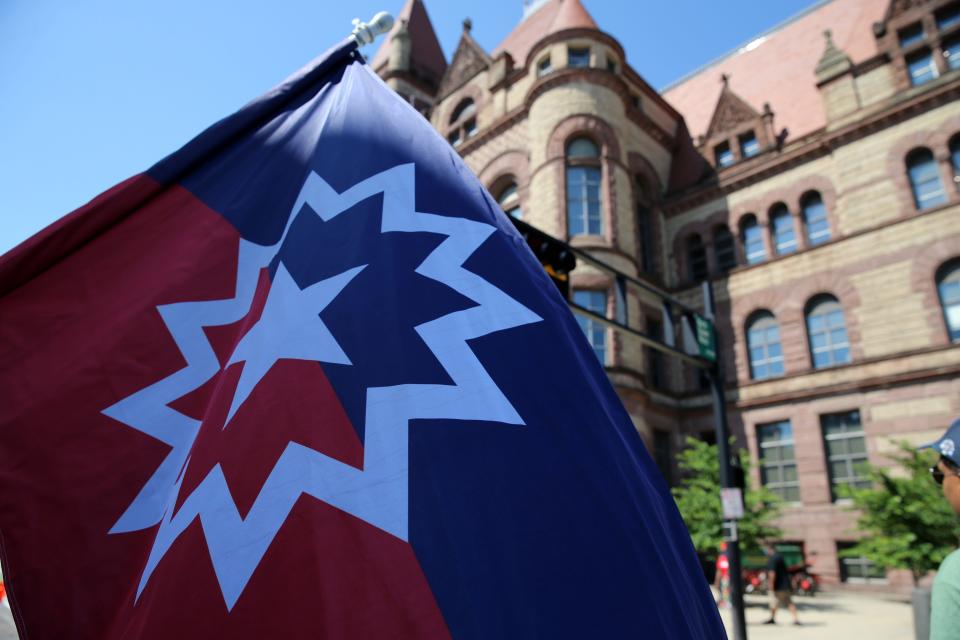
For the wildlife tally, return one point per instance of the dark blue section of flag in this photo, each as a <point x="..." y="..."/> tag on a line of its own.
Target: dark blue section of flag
<point x="561" y="527"/>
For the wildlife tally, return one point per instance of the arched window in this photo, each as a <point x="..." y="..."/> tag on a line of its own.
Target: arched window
<point x="696" y="258"/>
<point x="752" y="236"/>
<point x="509" y="200"/>
<point x="595" y="301"/>
<point x="815" y="218"/>
<point x="646" y="241"/>
<point x="781" y="223"/>
<point x="827" y="332"/>
<point x="583" y="188"/>
<point x="724" y="248"/>
<point x="763" y="346"/>
<point x="948" y="286"/>
<point x="925" y="179"/>
<point x="464" y="121"/>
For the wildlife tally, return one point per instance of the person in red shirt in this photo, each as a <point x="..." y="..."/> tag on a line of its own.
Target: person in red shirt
<point x="722" y="580"/>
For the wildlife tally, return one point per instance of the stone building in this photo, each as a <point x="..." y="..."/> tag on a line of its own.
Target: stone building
<point x="811" y="175"/>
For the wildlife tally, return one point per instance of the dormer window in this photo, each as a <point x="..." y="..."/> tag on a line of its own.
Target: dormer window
<point x="910" y="35"/>
<point x="749" y="146"/>
<point x="921" y="67"/>
<point x="463" y="121"/>
<point x="723" y="155"/>
<point x="948" y="16"/>
<point x="578" y="57"/>
<point x="544" y="66"/>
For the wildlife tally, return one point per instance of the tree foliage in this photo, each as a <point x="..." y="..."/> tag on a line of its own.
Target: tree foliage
<point x="907" y="522"/>
<point x="698" y="498"/>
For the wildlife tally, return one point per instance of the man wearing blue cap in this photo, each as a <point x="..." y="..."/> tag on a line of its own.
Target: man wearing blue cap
<point x="945" y="604"/>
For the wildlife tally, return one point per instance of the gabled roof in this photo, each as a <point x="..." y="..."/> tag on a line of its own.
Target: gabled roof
<point x="468" y="60"/>
<point x="425" y="52"/>
<point x="553" y="16"/>
<point x="778" y="67"/>
<point x="731" y="110"/>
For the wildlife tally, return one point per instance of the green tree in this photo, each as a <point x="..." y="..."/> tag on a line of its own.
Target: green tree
<point x="698" y="498"/>
<point x="906" y="520"/>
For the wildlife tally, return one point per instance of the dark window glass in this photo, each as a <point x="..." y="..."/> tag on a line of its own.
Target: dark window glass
<point x="752" y="236"/>
<point x="948" y="16"/>
<point x="697" y="257"/>
<point x="921" y="67"/>
<point x="857" y="569"/>
<point x="778" y="464"/>
<point x="645" y="229"/>
<point x="544" y="66"/>
<point x="655" y="370"/>
<point x="749" y="146"/>
<point x="955" y="158"/>
<point x="910" y="35"/>
<point x="948" y="288"/>
<point x="815" y="219"/>
<point x="951" y="52"/>
<point x="509" y="201"/>
<point x="723" y="155"/>
<point x="595" y="301"/>
<point x="925" y="179"/>
<point x="846" y="449"/>
<point x="763" y="346"/>
<point x="662" y="453"/>
<point x="724" y="247"/>
<point x="465" y="109"/>
<point x="578" y="57"/>
<point x="827" y="333"/>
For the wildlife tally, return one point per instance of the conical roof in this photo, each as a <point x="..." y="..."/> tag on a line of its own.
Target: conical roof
<point x="553" y="16"/>
<point x="426" y="56"/>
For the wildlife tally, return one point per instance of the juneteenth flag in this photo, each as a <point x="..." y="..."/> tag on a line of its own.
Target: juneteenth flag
<point x="303" y="379"/>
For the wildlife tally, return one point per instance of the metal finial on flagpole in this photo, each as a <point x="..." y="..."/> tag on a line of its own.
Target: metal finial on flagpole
<point x="367" y="32"/>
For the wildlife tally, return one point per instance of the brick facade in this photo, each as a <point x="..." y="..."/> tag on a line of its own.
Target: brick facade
<point x="661" y="184"/>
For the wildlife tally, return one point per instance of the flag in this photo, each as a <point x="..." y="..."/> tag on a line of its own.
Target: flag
<point x="303" y="379"/>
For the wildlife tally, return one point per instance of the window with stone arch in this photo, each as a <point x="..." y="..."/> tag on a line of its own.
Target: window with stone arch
<point x="763" y="346"/>
<point x="751" y="234"/>
<point x="463" y="122"/>
<point x="781" y="226"/>
<point x="584" y="201"/>
<point x="508" y="197"/>
<point x="725" y="248"/>
<point x="924" y="176"/>
<point x="948" y="290"/>
<point x="696" y="257"/>
<point x="815" y="222"/>
<point x="827" y="332"/>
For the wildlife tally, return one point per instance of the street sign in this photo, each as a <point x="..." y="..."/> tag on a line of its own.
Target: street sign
<point x="732" y="500"/>
<point x="706" y="338"/>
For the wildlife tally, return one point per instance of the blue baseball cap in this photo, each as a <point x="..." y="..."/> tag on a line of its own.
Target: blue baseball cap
<point x="948" y="445"/>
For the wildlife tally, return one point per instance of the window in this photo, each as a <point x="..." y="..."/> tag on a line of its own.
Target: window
<point x="778" y="465"/>
<point x="857" y="569"/>
<point x="846" y="451"/>
<point x="925" y="179"/>
<point x="465" y="109"/>
<point x="910" y="35"/>
<point x="583" y="189"/>
<point x="509" y="201"/>
<point x="951" y="51"/>
<point x="752" y="236"/>
<point x="948" y="286"/>
<point x="724" y="247"/>
<point x="543" y="66"/>
<point x="921" y="67"/>
<point x="645" y="229"/>
<point x="595" y="301"/>
<point x="827" y="332"/>
<point x="948" y="16"/>
<point x="697" y="258"/>
<point x="749" y="146"/>
<point x="578" y="57"/>
<point x="955" y="158"/>
<point x="464" y="120"/>
<point x="654" y="357"/>
<point x="763" y="346"/>
<point x="815" y="218"/>
<point x="470" y="128"/>
<point x="662" y="452"/>
<point x="723" y="155"/>
<point x="611" y="65"/>
<point x="784" y="237"/>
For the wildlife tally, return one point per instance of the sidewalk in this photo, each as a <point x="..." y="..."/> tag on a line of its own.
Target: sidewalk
<point x="833" y="615"/>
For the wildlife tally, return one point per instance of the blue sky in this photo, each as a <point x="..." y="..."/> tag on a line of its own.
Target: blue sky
<point x="93" y="92"/>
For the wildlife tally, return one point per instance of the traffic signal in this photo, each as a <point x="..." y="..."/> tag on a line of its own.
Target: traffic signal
<point x="555" y="255"/>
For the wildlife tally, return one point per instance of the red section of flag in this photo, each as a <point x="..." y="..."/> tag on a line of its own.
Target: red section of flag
<point x="67" y="472"/>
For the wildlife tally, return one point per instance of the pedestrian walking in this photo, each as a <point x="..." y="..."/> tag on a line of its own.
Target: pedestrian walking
<point x="722" y="581"/>
<point x="778" y="581"/>
<point x="945" y="602"/>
